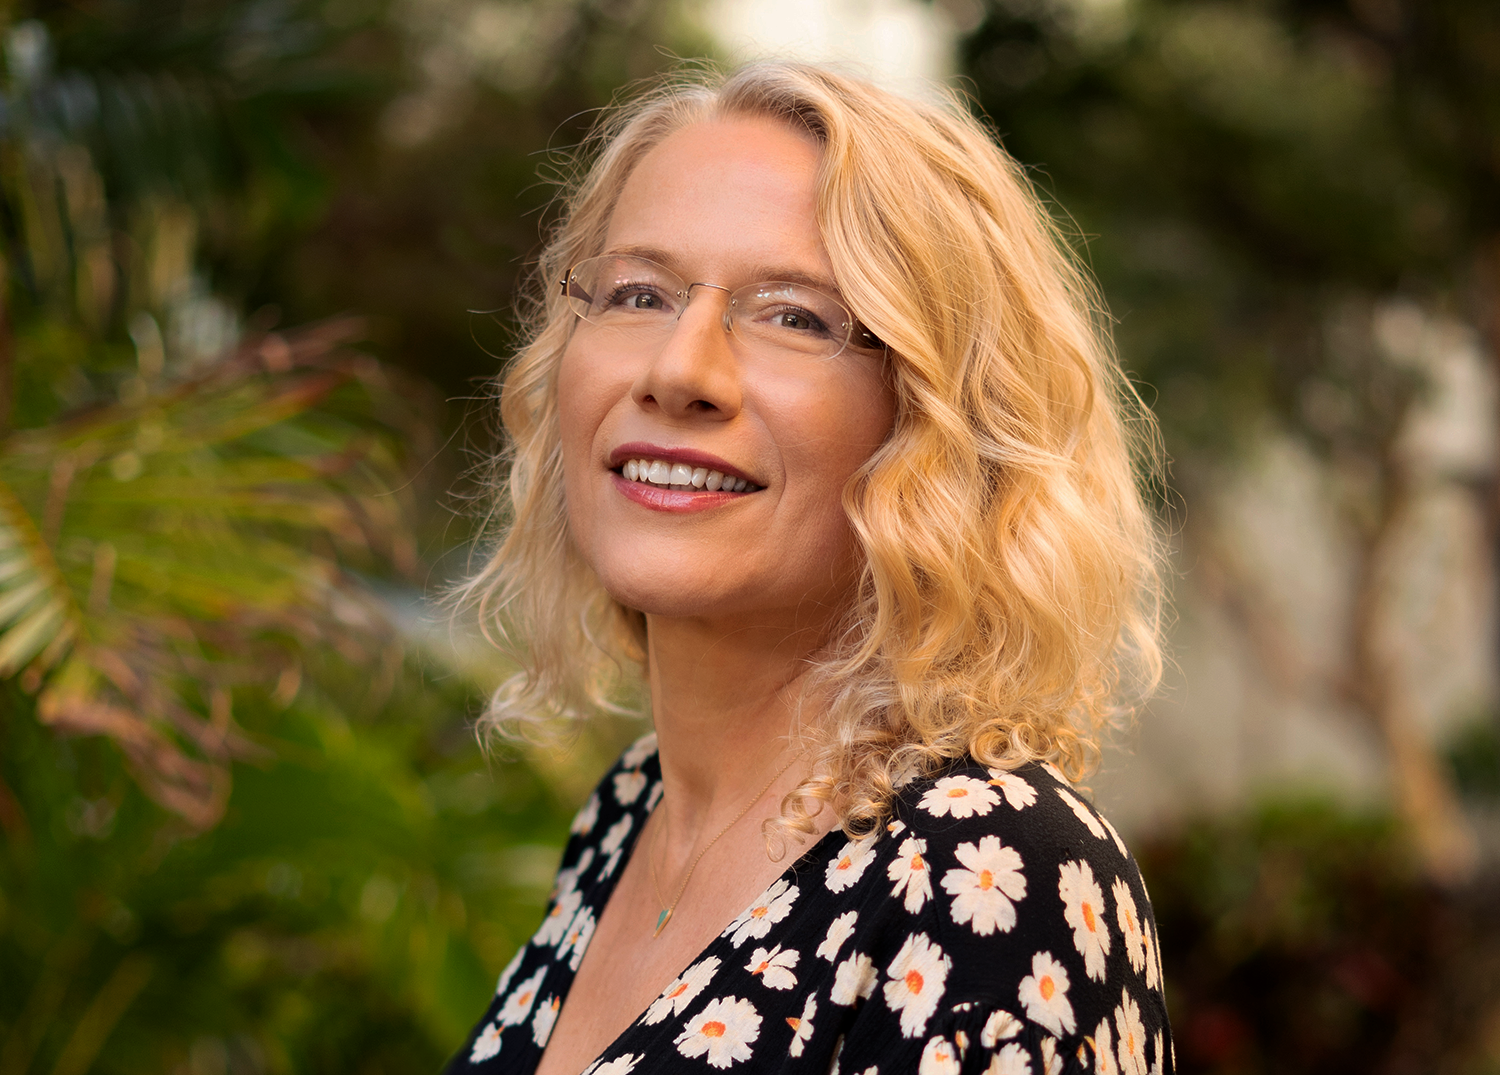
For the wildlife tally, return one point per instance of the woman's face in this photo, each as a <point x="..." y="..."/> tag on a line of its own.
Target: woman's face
<point x="729" y="202"/>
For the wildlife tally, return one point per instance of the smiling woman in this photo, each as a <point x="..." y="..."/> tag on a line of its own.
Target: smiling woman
<point x="817" y="427"/>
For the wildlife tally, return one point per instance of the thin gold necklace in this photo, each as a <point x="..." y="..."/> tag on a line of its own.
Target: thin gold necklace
<point x="667" y="908"/>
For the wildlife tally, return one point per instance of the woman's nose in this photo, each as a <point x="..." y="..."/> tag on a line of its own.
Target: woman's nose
<point x="695" y="370"/>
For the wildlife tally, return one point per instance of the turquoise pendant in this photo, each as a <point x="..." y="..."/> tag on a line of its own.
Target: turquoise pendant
<point x="661" y="921"/>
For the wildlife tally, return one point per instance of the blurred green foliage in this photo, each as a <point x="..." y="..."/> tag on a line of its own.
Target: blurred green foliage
<point x="1248" y="177"/>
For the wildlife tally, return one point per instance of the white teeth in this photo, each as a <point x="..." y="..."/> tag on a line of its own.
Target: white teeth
<point x="683" y="477"/>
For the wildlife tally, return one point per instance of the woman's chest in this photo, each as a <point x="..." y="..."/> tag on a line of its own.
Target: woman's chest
<point x="630" y="963"/>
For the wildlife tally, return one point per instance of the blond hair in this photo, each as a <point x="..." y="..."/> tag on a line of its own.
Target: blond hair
<point x="1009" y="597"/>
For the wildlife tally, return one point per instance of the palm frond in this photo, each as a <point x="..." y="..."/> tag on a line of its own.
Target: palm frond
<point x="166" y="550"/>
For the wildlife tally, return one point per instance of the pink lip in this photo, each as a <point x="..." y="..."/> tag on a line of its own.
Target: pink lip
<point x="691" y="456"/>
<point x="671" y="500"/>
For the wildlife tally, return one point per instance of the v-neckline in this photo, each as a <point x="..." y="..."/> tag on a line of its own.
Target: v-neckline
<point x="605" y="889"/>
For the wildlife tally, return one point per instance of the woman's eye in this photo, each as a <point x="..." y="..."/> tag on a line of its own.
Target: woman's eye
<point x="636" y="296"/>
<point x="799" y="321"/>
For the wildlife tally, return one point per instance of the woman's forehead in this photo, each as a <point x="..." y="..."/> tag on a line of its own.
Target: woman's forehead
<point x="730" y="194"/>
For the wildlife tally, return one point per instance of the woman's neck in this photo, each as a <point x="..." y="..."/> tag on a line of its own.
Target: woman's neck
<point x="725" y="705"/>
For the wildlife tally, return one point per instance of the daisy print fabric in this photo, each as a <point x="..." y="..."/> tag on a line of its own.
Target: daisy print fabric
<point x="994" y="925"/>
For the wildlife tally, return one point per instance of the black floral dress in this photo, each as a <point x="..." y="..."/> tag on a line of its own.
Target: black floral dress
<point x="995" y="925"/>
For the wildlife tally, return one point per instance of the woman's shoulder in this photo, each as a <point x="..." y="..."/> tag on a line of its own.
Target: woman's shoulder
<point x="1029" y="807"/>
<point x="1014" y="897"/>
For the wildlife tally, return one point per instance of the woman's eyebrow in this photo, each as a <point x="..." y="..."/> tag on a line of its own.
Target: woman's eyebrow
<point x="757" y="275"/>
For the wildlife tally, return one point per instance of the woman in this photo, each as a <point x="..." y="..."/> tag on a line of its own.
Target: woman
<point x="817" y="426"/>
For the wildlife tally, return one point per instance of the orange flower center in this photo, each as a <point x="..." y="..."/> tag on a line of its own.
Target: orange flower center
<point x="760" y="969"/>
<point x="713" y="1029"/>
<point x="986" y="879"/>
<point x="957" y="793"/>
<point x="1045" y="987"/>
<point x="760" y="912"/>
<point x="914" y="981"/>
<point x="681" y="989"/>
<point x="793" y="1022"/>
<point x="916" y="863"/>
<point x="1088" y="917"/>
<point x="845" y="863"/>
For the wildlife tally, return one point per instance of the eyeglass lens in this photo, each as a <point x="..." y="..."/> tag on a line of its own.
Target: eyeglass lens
<point x="639" y="296"/>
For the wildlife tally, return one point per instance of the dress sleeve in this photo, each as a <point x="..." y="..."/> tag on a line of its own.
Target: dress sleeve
<point x="974" y="1039"/>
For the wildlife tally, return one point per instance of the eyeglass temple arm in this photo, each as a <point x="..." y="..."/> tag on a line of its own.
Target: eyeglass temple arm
<point x="575" y="291"/>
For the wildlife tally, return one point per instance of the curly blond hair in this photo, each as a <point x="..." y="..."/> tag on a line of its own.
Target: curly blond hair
<point x="1009" y="600"/>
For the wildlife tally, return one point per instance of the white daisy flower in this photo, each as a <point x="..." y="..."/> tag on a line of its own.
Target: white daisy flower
<point x="629" y="785"/>
<point x="1044" y="995"/>
<point x="983" y="893"/>
<point x="653" y="796"/>
<point x="567" y="879"/>
<point x="895" y="828"/>
<point x="838" y="1051"/>
<point x="517" y="1006"/>
<point x="620" y="1065"/>
<point x="839" y="931"/>
<point x="853" y="979"/>
<point x="486" y="1045"/>
<point x="1016" y="790"/>
<point x="721" y="1032"/>
<point x="755" y="921"/>
<point x="1000" y="1026"/>
<point x="917" y="976"/>
<point x="611" y="864"/>
<point x="909" y="871"/>
<point x="639" y="751"/>
<point x="1153" y="956"/>
<point x="682" y="990"/>
<point x="555" y="925"/>
<point x="802" y="1025"/>
<point x="1056" y="774"/>
<point x="1011" y="1060"/>
<point x="1083" y="813"/>
<point x="577" y="939"/>
<point x="848" y="866"/>
<point x="546" y="1017"/>
<point x="1132" y="1034"/>
<point x="1083" y="907"/>
<point x="510" y="970"/>
<point x="774" y="967"/>
<point x="1115" y="836"/>
<point x="1130" y="924"/>
<point x="959" y="797"/>
<point x="1158" y="1050"/>
<point x="1051" y="1062"/>
<point x="1104" y="1053"/>
<point x="616" y="835"/>
<point x="583" y="821"/>
<point x="939" y="1057"/>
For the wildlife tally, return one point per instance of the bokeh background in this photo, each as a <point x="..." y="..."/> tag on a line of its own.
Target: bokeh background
<point x="245" y="825"/>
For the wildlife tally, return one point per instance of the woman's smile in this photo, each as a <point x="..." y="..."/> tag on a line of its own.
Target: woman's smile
<point x="678" y="479"/>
